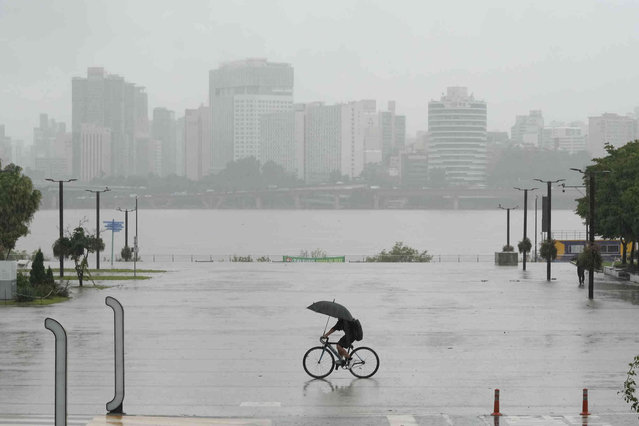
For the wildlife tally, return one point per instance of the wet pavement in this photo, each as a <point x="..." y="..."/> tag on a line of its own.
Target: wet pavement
<point x="225" y="340"/>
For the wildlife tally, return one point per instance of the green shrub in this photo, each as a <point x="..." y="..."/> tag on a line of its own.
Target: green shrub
<point x="241" y="258"/>
<point x="548" y="250"/>
<point x="524" y="245"/>
<point x="401" y="253"/>
<point x="25" y="292"/>
<point x="126" y="253"/>
<point x="590" y="257"/>
<point x="37" y="275"/>
<point x="507" y="248"/>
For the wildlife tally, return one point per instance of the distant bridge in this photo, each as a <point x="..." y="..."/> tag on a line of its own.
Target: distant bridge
<point x="315" y="197"/>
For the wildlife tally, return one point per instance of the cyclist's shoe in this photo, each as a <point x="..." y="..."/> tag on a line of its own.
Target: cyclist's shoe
<point x="339" y="362"/>
<point x="348" y="363"/>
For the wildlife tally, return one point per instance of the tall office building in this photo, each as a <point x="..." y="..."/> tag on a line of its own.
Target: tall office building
<point x="528" y="129"/>
<point x="613" y="129"/>
<point x="197" y="143"/>
<point x="277" y="140"/>
<point x="393" y="132"/>
<point x="322" y="142"/>
<point x="107" y="101"/>
<point x="52" y="151"/>
<point x="240" y="93"/>
<point x="5" y="147"/>
<point x="97" y="150"/>
<point x="360" y="135"/>
<point x="163" y="130"/>
<point x="457" y="137"/>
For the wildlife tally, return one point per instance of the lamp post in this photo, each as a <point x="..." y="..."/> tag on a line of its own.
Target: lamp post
<point x="60" y="183"/>
<point x="97" y="220"/>
<point x="126" y="224"/>
<point x="548" y="213"/>
<point x="508" y="209"/>
<point x="535" y="228"/>
<point x="525" y="216"/>
<point x="591" y="222"/>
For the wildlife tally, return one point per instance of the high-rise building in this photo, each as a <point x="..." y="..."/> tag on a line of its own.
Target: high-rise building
<point x="240" y="93"/>
<point x="52" y="153"/>
<point x="393" y="132"/>
<point x="108" y="101"/>
<point x="97" y="149"/>
<point x="322" y="142"/>
<point x="5" y="147"/>
<point x="528" y="129"/>
<point x="565" y="137"/>
<point x="163" y="130"/>
<point x="277" y="140"/>
<point x="197" y="143"/>
<point x="457" y="137"/>
<point x="612" y="129"/>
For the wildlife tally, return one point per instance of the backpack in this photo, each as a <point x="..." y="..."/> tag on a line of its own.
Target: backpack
<point x="358" y="333"/>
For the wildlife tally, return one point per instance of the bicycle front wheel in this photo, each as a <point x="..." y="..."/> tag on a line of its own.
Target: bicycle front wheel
<point x="318" y="362"/>
<point x="365" y="362"/>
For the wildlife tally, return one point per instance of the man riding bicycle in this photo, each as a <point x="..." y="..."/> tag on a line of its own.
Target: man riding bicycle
<point x="344" y="342"/>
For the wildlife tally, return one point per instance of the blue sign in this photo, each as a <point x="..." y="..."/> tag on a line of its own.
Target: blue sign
<point x="113" y="225"/>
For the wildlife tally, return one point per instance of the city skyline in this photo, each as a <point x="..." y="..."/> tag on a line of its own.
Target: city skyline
<point x="569" y="71"/>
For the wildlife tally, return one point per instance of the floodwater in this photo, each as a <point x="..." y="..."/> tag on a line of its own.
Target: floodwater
<point x="351" y="233"/>
<point x="227" y="339"/>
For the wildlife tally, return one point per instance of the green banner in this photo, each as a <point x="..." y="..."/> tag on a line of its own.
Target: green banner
<point x="339" y="259"/>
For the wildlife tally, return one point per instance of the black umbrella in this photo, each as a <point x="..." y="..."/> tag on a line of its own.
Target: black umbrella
<point x="332" y="309"/>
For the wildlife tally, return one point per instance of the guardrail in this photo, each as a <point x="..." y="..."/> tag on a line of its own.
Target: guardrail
<point x="258" y="258"/>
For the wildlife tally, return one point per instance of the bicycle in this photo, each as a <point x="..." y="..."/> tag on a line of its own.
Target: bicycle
<point x="319" y="361"/>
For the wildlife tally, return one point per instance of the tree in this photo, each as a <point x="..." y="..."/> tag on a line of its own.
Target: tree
<point x="616" y="194"/>
<point x="18" y="203"/>
<point x="401" y="253"/>
<point x="37" y="275"/>
<point x="77" y="247"/>
<point x="126" y="253"/>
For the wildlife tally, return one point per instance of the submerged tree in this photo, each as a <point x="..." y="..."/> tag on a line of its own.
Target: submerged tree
<point x="77" y="247"/>
<point x="401" y="253"/>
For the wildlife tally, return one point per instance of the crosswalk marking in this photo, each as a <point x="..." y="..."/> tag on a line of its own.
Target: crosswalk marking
<point x="401" y="420"/>
<point x="175" y="421"/>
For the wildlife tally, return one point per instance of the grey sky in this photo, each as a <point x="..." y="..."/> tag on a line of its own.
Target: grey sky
<point x="570" y="58"/>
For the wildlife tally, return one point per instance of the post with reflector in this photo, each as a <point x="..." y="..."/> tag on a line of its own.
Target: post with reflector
<point x="496" y="406"/>
<point x="584" y="405"/>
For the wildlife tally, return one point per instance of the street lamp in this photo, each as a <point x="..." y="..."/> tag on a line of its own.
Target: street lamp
<point x="60" y="182"/>
<point x="508" y="209"/>
<point x="126" y="224"/>
<point x="591" y="222"/>
<point x="548" y="213"/>
<point x="525" y="216"/>
<point x="97" y="220"/>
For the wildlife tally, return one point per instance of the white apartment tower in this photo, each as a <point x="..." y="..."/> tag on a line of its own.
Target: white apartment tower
<point x="457" y="137"/>
<point x="612" y="129"/>
<point x="240" y="93"/>
<point x="197" y="143"/>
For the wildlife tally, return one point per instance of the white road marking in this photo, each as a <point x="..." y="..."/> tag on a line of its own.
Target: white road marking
<point x="402" y="420"/>
<point x="261" y="404"/>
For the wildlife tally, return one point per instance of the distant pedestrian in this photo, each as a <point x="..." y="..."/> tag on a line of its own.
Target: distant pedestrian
<point x="581" y="273"/>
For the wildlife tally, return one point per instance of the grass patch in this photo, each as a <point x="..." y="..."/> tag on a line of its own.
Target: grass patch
<point x="108" y="278"/>
<point x="38" y="302"/>
<point x="145" y="271"/>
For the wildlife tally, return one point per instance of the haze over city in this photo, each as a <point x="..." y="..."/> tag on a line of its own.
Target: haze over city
<point x="570" y="59"/>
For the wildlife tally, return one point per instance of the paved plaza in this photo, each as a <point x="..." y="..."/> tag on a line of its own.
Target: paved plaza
<point x="223" y="343"/>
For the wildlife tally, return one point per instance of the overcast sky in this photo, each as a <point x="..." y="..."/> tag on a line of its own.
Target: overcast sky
<point x="569" y="58"/>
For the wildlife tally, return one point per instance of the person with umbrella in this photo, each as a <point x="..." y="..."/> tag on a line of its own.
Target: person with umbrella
<point x="345" y="323"/>
<point x="345" y="341"/>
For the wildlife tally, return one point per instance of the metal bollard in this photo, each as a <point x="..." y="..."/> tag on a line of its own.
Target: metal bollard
<point x="60" y="370"/>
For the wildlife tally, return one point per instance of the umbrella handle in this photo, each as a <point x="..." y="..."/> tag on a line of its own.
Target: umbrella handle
<point x="328" y="317"/>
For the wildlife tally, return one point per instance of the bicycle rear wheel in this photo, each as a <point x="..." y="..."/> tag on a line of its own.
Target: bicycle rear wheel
<point x="365" y="362"/>
<point x="318" y="362"/>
